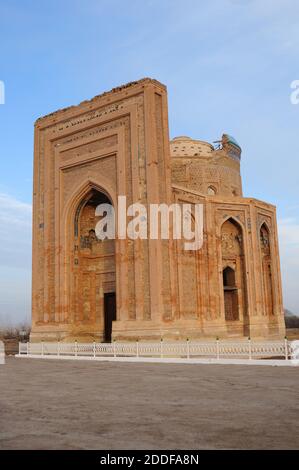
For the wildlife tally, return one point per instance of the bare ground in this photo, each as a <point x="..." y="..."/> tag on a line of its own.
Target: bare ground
<point x="56" y="404"/>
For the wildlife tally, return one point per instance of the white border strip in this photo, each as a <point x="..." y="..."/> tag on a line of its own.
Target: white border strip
<point x="159" y="360"/>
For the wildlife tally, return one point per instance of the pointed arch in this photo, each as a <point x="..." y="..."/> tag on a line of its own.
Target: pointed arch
<point x="232" y="238"/>
<point x="233" y="270"/>
<point x="265" y="224"/>
<point x="92" y="268"/>
<point x="234" y="219"/>
<point x="84" y="189"/>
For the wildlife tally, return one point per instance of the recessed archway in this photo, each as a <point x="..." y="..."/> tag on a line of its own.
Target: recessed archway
<point x="233" y="271"/>
<point x="266" y="269"/>
<point x="94" y="272"/>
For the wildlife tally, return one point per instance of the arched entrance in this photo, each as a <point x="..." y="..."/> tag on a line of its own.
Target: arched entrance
<point x="93" y="279"/>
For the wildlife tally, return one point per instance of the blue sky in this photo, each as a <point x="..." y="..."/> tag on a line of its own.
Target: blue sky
<point x="228" y="66"/>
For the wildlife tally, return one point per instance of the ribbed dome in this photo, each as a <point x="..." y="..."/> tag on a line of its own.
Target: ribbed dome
<point x="182" y="137"/>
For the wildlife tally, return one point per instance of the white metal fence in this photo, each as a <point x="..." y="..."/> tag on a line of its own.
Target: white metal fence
<point x="167" y="349"/>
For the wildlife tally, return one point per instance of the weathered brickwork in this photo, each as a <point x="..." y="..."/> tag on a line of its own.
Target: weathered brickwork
<point x="118" y="144"/>
<point x="198" y="166"/>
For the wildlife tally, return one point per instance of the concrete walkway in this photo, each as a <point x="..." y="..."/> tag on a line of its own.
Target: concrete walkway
<point x="61" y="404"/>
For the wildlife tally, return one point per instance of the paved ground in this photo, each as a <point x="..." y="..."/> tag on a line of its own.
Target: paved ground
<point x="56" y="404"/>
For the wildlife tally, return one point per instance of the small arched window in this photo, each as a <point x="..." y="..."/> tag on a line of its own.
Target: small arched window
<point x="211" y="191"/>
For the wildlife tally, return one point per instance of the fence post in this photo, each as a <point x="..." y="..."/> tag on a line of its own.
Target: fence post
<point x="137" y="348"/>
<point x="286" y="348"/>
<point x="114" y="349"/>
<point x="19" y="348"/>
<point x="217" y="348"/>
<point x="27" y="346"/>
<point x="249" y="347"/>
<point x="76" y="348"/>
<point x="161" y="347"/>
<point x="94" y="349"/>
<point x="42" y="347"/>
<point x="188" y="349"/>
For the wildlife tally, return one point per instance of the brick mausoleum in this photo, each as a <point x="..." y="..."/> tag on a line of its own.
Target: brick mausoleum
<point x="86" y="289"/>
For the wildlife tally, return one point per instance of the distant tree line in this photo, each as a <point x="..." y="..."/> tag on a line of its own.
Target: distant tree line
<point x="20" y="332"/>
<point x="291" y="320"/>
